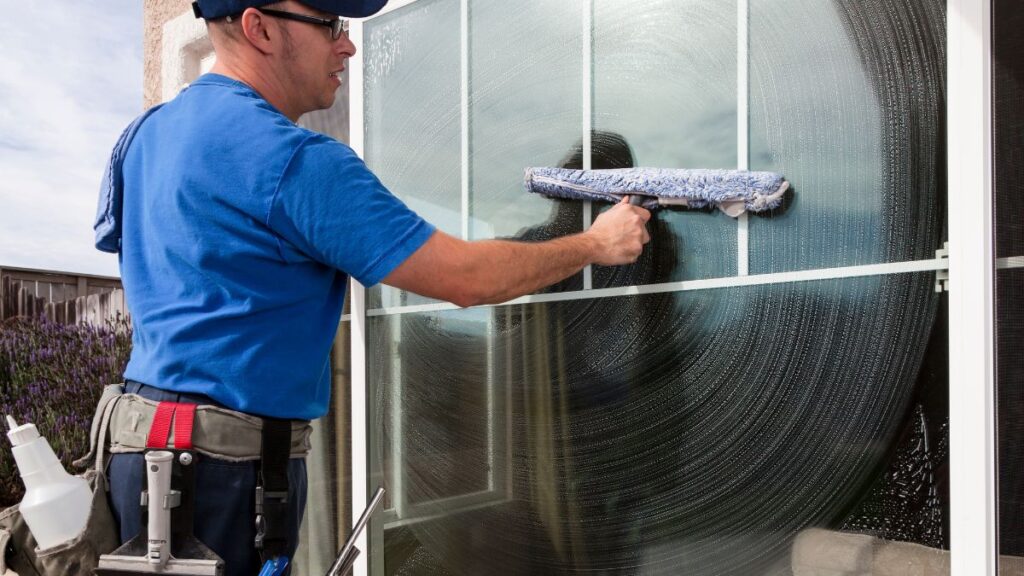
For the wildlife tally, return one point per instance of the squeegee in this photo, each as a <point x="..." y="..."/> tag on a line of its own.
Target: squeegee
<point x="151" y="552"/>
<point x="731" y="191"/>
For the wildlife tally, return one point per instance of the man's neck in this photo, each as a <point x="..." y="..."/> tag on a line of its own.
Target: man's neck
<point x="261" y="82"/>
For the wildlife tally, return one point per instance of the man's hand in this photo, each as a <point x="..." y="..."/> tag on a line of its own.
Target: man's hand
<point x="620" y="234"/>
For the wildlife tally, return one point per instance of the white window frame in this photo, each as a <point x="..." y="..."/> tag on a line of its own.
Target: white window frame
<point x="970" y="267"/>
<point x="973" y="516"/>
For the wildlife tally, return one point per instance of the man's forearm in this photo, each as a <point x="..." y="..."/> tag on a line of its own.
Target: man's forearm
<point x="501" y="269"/>
<point x="490" y="271"/>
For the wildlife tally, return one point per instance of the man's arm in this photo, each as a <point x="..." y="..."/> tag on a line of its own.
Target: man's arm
<point x="491" y="271"/>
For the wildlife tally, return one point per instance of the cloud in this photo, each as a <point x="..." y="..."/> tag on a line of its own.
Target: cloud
<point x="70" y="81"/>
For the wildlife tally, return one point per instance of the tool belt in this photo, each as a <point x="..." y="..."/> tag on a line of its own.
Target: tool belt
<point x="138" y="424"/>
<point x="127" y="420"/>
<point x="216" y="432"/>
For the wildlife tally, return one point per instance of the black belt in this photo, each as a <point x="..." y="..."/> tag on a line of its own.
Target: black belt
<point x="160" y="395"/>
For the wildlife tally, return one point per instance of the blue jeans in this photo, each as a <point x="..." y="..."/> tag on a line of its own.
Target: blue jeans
<point x="225" y="513"/>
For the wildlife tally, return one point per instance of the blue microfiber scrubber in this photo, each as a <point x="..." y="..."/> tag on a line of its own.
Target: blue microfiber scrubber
<point x="731" y="191"/>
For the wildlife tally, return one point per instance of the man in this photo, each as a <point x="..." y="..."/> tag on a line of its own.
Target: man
<point x="237" y="234"/>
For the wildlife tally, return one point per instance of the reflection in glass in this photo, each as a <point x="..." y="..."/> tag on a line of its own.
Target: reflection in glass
<point x="665" y="81"/>
<point x="443" y="452"/>
<point x="685" y="433"/>
<point x="526" y="68"/>
<point x="847" y="100"/>
<point x="411" y="83"/>
<point x="660" y="258"/>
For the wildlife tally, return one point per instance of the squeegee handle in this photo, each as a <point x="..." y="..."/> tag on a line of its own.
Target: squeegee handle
<point x="346" y="558"/>
<point x="637" y="199"/>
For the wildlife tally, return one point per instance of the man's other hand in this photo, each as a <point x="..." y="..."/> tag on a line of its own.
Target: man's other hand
<point x="620" y="234"/>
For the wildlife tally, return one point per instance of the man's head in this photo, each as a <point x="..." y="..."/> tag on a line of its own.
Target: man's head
<point x="214" y="9"/>
<point x="290" y="52"/>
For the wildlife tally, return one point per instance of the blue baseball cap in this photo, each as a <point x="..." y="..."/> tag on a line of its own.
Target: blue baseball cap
<point x="213" y="9"/>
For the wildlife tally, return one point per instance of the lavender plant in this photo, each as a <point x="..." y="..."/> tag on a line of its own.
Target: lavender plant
<point x="52" y="375"/>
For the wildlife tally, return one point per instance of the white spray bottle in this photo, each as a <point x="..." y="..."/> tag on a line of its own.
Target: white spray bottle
<point x="56" y="504"/>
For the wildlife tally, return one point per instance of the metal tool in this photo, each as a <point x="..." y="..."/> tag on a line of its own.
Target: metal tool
<point x="150" y="552"/>
<point x="347" y="557"/>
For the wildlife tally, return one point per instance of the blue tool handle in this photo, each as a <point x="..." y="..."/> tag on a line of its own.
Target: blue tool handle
<point x="274" y="566"/>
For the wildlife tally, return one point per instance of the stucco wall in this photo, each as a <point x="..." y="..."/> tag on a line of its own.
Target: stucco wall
<point x="192" y="49"/>
<point x="155" y="14"/>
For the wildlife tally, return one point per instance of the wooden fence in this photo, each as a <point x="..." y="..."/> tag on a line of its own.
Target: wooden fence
<point x="64" y="298"/>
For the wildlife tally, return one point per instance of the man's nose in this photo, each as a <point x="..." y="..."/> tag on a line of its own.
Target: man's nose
<point x="345" y="46"/>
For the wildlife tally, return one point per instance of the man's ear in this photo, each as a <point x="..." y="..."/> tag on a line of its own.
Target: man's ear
<point x="259" y="30"/>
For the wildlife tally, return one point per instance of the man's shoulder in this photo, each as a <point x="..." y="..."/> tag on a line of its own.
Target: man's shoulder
<point x="215" y="110"/>
<point x="323" y="147"/>
<point x="244" y="124"/>
<point x="320" y="153"/>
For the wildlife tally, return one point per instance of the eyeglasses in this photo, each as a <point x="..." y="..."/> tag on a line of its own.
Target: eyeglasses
<point x="337" y="25"/>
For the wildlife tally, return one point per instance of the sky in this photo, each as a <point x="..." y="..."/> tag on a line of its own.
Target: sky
<point x="70" y="81"/>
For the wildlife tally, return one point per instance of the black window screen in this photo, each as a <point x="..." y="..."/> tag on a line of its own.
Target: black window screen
<point x="1008" y="110"/>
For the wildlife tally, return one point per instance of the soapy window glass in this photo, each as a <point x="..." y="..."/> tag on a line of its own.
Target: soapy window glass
<point x="778" y="428"/>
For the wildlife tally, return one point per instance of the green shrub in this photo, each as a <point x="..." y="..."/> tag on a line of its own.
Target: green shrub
<point x="52" y="375"/>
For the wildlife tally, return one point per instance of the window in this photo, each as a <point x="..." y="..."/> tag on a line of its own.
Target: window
<point x="747" y="395"/>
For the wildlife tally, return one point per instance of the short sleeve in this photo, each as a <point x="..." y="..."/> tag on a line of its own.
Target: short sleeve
<point x="330" y="207"/>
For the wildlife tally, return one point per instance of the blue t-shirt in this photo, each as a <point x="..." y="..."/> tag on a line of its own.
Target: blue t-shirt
<point x="239" y="229"/>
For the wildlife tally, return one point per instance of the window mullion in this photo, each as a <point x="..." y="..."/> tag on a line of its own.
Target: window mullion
<point x="742" y="125"/>
<point x="587" y="28"/>
<point x="357" y="295"/>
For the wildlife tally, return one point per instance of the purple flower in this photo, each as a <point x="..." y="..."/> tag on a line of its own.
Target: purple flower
<point x="52" y="375"/>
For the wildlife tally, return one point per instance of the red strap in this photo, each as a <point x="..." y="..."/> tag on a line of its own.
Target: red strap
<point x="160" y="430"/>
<point x="183" y="419"/>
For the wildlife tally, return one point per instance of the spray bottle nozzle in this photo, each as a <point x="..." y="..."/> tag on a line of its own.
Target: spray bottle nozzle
<point x="20" y="434"/>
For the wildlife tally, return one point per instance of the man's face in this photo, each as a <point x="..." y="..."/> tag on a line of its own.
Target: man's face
<point x="312" y="61"/>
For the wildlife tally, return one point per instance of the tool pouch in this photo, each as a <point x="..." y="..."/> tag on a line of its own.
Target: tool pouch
<point x="77" y="556"/>
<point x="81" y="554"/>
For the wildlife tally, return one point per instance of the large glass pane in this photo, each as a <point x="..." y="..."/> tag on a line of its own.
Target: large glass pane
<point x="847" y="101"/>
<point x="526" y="94"/>
<point x="1008" y="110"/>
<point x="412" y="130"/>
<point x="438" y="440"/>
<point x="779" y="429"/>
<point x="664" y="95"/>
